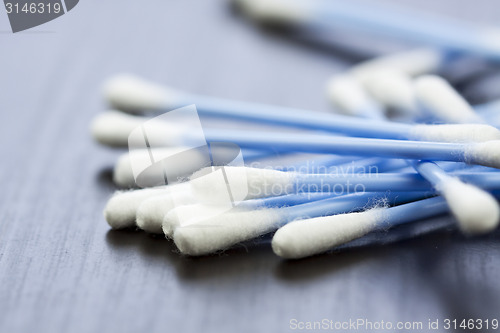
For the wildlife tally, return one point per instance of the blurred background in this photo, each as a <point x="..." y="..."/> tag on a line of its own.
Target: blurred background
<point x="62" y="269"/>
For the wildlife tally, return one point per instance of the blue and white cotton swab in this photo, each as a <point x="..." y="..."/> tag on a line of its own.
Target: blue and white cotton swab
<point x="483" y="153"/>
<point x="150" y="213"/>
<point x="148" y="208"/>
<point x="409" y="63"/>
<point x="201" y="236"/>
<point x="130" y="93"/>
<point x="391" y="88"/>
<point x="120" y="211"/>
<point x="379" y="19"/>
<point x="186" y="214"/>
<point x="474" y="209"/>
<point x="308" y="237"/>
<point x="428" y="95"/>
<point x="436" y="96"/>
<point x="347" y="93"/>
<point x="263" y="183"/>
<point x="387" y="79"/>
<point x="193" y="160"/>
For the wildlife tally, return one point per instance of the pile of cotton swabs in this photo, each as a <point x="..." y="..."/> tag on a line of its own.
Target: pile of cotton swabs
<point x="444" y="159"/>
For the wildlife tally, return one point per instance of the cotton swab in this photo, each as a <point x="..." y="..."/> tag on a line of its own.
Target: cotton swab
<point x="304" y="238"/>
<point x="388" y="20"/>
<point x="480" y="154"/>
<point x="468" y="203"/>
<point x="120" y="211"/>
<point x="190" y="160"/>
<point x="409" y="63"/>
<point x="308" y="237"/>
<point x="483" y="153"/>
<point x="123" y="174"/>
<point x="427" y="94"/>
<point x="436" y="95"/>
<point x="321" y="164"/>
<point x="392" y="89"/>
<point x="211" y="235"/>
<point x="189" y="213"/>
<point x="151" y="212"/>
<point x="205" y="236"/>
<point x="193" y="160"/>
<point x="264" y="114"/>
<point x="475" y="210"/>
<point x="263" y="183"/>
<point x="371" y="165"/>
<point x="350" y="97"/>
<point x="388" y="79"/>
<point x="113" y="129"/>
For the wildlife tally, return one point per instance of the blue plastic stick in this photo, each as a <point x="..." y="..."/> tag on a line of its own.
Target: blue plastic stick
<point x="347" y="203"/>
<point x="286" y="200"/>
<point x="404" y="23"/>
<point x="418" y="210"/>
<point x="290" y="117"/>
<point x="390" y="181"/>
<point x="328" y="144"/>
<point x="415" y="211"/>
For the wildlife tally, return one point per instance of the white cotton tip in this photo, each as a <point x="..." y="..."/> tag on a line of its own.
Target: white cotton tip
<point x="308" y="237"/>
<point x="345" y="92"/>
<point x="132" y="94"/>
<point x="476" y="211"/>
<point x="112" y="128"/>
<point x="191" y="213"/>
<point x="120" y="211"/>
<point x="391" y="88"/>
<point x="224" y="230"/>
<point x="152" y="211"/>
<point x="484" y="153"/>
<point x="455" y="133"/>
<point x="239" y="183"/>
<point x="437" y="96"/>
<point x="277" y="11"/>
<point x="123" y="173"/>
<point x="412" y="63"/>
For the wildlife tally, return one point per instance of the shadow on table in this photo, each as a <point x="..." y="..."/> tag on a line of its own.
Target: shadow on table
<point x="242" y="259"/>
<point x="381" y="245"/>
<point x="459" y="275"/>
<point x="104" y="179"/>
<point x="256" y="256"/>
<point x="332" y="44"/>
<point x="443" y="263"/>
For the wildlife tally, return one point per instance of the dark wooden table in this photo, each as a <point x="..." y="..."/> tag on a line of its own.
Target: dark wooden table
<point x="63" y="270"/>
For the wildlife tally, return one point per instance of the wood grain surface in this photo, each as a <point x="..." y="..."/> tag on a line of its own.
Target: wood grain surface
<point x="63" y="270"/>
